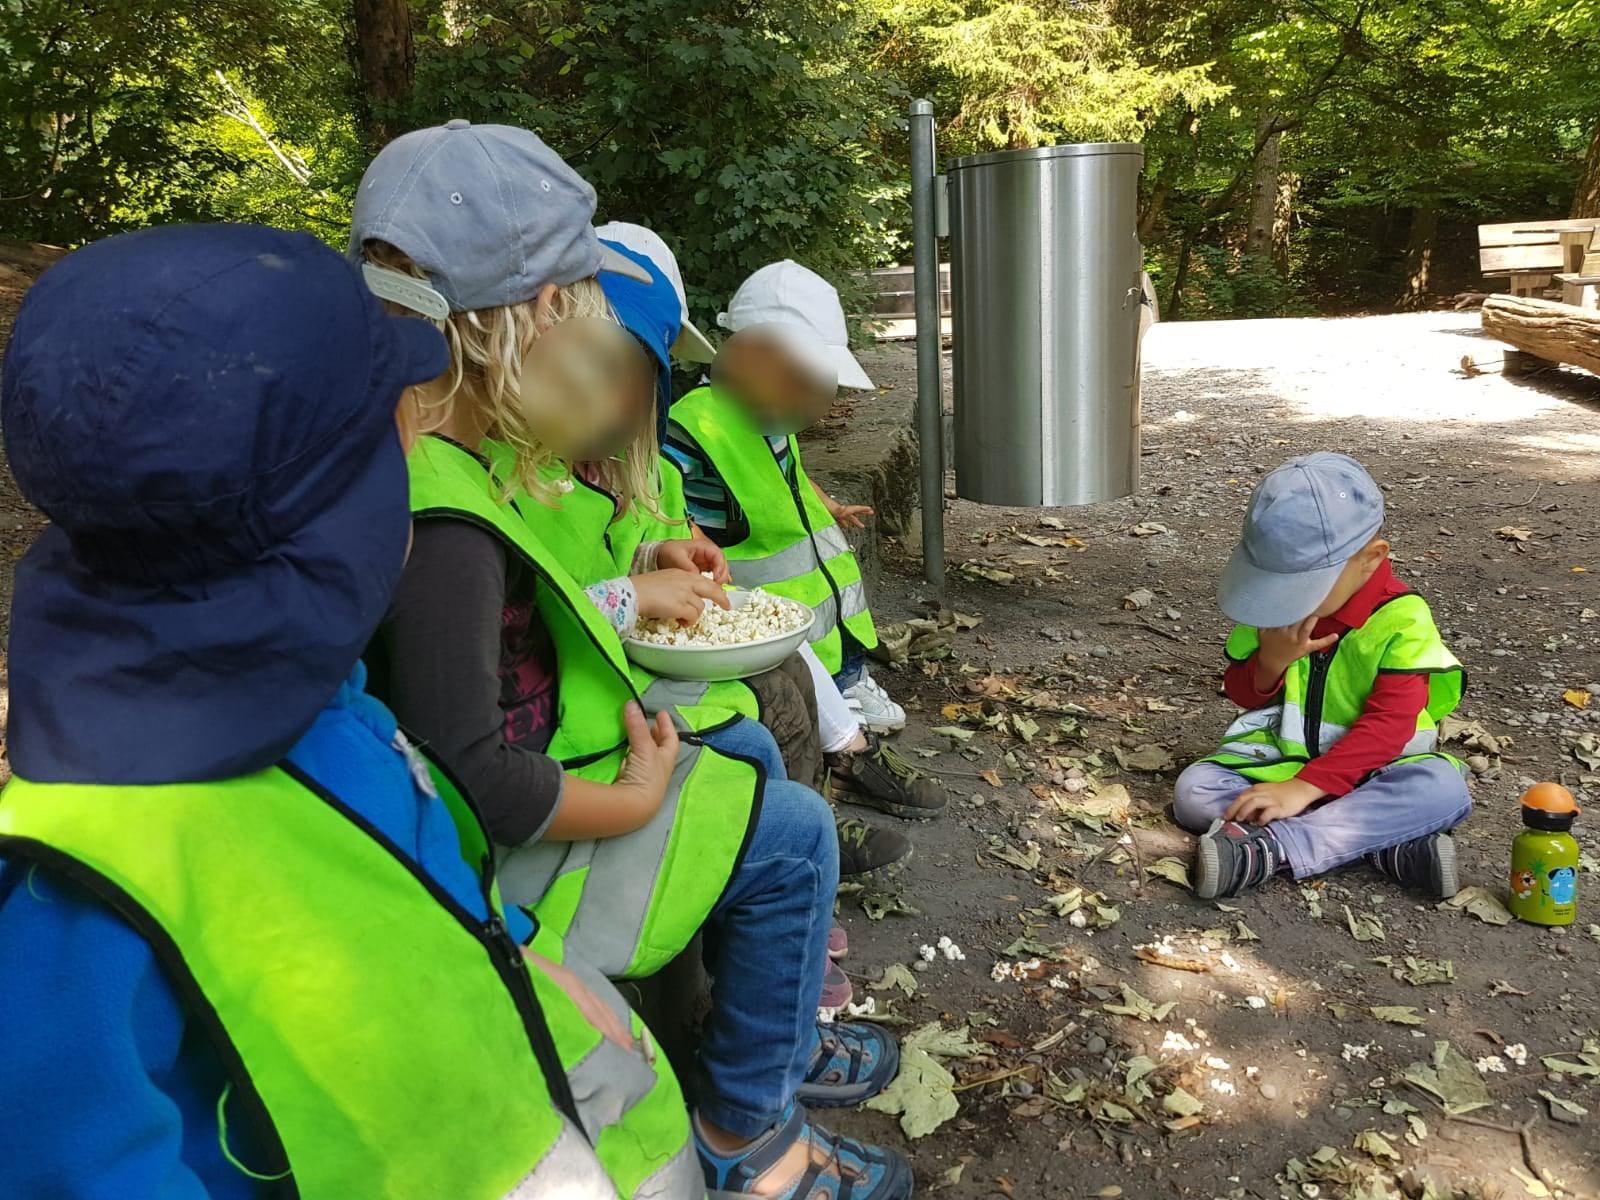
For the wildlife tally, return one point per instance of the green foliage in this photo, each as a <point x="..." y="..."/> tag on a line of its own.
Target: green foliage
<point x="1009" y="74"/>
<point x="747" y="130"/>
<point x="743" y="133"/>
<point x="115" y="114"/>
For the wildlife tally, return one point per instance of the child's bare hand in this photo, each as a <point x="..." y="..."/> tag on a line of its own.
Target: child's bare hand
<point x="702" y="556"/>
<point x="676" y="595"/>
<point x="849" y="515"/>
<point x="1288" y="644"/>
<point x="652" y="753"/>
<point x="1265" y="803"/>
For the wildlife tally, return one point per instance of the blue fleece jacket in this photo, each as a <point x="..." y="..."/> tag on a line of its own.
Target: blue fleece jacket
<point x="107" y="1089"/>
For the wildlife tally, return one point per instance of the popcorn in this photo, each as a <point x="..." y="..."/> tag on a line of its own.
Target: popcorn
<point x="1517" y="1053"/>
<point x="1491" y="1063"/>
<point x="927" y="953"/>
<point x="762" y="615"/>
<point x="951" y="951"/>
<point x="1357" y="1051"/>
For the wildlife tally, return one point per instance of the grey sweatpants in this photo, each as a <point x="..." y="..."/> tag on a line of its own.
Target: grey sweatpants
<point x="1398" y="803"/>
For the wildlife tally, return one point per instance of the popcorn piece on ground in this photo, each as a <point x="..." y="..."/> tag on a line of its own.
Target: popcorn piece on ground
<point x="1491" y="1064"/>
<point x="1223" y="1086"/>
<point x="1256" y="1001"/>
<point x="1216" y="1064"/>
<point x="1517" y="1053"/>
<point x="762" y="615"/>
<point x="951" y="951"/>
<point x="1353" y="1052"/>
<point x="1175" y="1042"/>
<point x="927" y="953"/>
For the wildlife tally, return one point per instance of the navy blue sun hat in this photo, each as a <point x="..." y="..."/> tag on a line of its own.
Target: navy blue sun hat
<point x="652" y="313"/>
<point x="206" y="415"/>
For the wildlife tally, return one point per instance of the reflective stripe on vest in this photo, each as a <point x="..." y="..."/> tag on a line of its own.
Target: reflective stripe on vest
<point x="1330" y="690"/>
<point x="626" y="904"/>
<point x="245" y="890"/>
<point x="794" y="547"/>
<point x="576" y="527"/>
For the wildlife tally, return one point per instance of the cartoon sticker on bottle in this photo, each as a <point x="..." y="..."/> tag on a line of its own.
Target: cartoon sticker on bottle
<point x="1522" y="883"/>
<point x="1563" y="885"/>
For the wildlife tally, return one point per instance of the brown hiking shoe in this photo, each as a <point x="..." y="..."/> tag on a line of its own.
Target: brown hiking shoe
<point x="879" y="777"/>
<point x="867" y="849"/>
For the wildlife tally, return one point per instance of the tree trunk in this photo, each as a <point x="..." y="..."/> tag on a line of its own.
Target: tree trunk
<point x="1174" y="304"/>
<point x="1258" y="240"/>
<point x="1419" y="255"/>
<point x="385" y="61"/>
<point x="1551" y="331"/>
<point x="1586" y="201"/>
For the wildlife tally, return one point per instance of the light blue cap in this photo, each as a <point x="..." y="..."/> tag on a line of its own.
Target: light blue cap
<point x="490" y="212"/>
<point x="1305" y="521"/>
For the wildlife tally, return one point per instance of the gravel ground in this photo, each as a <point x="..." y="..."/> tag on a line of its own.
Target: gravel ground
<point x="1273" y="1035"/>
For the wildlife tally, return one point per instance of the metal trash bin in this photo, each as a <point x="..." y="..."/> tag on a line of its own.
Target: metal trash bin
<point x="1045" y="283"/>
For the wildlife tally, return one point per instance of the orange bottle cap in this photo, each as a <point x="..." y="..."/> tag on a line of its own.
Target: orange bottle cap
<point x="1550" y="798"/>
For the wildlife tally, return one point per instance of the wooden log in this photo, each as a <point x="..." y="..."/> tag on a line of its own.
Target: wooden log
<point x="1545" y="329"/>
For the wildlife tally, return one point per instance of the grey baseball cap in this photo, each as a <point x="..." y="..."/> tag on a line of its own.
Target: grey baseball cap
<point x="1305" y="521"/>
<point x="490" y="212"/>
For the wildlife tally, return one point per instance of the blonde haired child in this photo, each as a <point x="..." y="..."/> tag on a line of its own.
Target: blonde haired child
<point x="624" y="837"/>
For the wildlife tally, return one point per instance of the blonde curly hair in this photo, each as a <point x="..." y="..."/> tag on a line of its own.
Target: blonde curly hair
<point x="487" y="349"/>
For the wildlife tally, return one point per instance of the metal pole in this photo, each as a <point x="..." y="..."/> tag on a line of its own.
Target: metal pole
<point x="930" y="377"/>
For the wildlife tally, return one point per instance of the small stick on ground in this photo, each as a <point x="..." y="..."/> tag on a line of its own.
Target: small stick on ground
<point x="1523" y="1132"/>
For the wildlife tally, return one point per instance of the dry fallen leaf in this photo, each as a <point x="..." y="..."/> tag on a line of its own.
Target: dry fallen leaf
<point x="992" y="777"/>
<point x="1149" y="529"/>
<point x="1137" y="599"/>
<point x="1576" y="697"/>
<point x="1513" y="533"/>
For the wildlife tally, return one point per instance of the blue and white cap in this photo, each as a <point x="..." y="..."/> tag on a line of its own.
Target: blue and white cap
<point x="1305" y="521"/>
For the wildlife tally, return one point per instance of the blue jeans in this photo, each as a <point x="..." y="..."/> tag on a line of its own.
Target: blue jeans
<point x="766" y="946"/>
<point x="852" y="663"/>
<point x="1396" y="804"/>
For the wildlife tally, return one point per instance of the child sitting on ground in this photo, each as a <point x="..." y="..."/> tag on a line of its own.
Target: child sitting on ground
<point x="1344" y="679"/>
<point x="742" y="475"/>
<point x="744" y="485"/>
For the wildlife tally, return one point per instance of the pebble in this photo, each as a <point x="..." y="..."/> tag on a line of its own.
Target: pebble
<point x="1099" y="651"/>
<point x="1095" y="1045"/>
<point x="1022" y="1087"/>
<point x="1344" y="1114"/>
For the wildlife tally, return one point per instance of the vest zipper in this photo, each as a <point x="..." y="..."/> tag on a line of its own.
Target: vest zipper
<point x="508" y="960"/>
<point x="491" y="934"/>
<point x="1316" y="684"/>
<point x="792" y="477"/>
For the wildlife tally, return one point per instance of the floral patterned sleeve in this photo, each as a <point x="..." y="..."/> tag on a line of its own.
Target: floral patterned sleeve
<point x="617" y="602"/>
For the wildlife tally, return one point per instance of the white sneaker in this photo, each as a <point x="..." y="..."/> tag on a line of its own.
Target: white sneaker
<point x="872" y="706"/>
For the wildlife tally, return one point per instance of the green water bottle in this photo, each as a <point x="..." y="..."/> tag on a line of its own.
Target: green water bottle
<point x="1544" y="858"/>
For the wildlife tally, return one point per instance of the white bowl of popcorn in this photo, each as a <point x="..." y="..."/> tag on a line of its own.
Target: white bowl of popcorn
<point x="754" y="634"/>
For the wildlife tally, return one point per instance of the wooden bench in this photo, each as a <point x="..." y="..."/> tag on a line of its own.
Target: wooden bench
<point x="1533" y="253"/>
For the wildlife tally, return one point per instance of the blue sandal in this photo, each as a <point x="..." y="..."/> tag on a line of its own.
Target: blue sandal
<point x="853" y="1063"/>
<point x="838" y="1168"/>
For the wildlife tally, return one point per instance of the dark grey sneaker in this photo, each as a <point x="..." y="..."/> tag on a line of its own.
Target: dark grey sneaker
<point x="866" y="849"/>
<point x="880" y="778"/>
<point x="1234" y="856"/>
<point x="1424" y="864"/>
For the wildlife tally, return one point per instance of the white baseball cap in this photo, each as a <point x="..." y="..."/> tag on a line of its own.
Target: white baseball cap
<point x="690" y="346"/>
<point x="801" y="309"/>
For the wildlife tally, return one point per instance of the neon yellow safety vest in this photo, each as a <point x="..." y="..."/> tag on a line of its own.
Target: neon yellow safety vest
<point x="795" y="548"/>
<point x="576" y="525"/>
<point x="1324" y="693"/>
<point x="630" y="904"/>
<point x="633" y="528"/>
<point x="387" y="1042"/>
